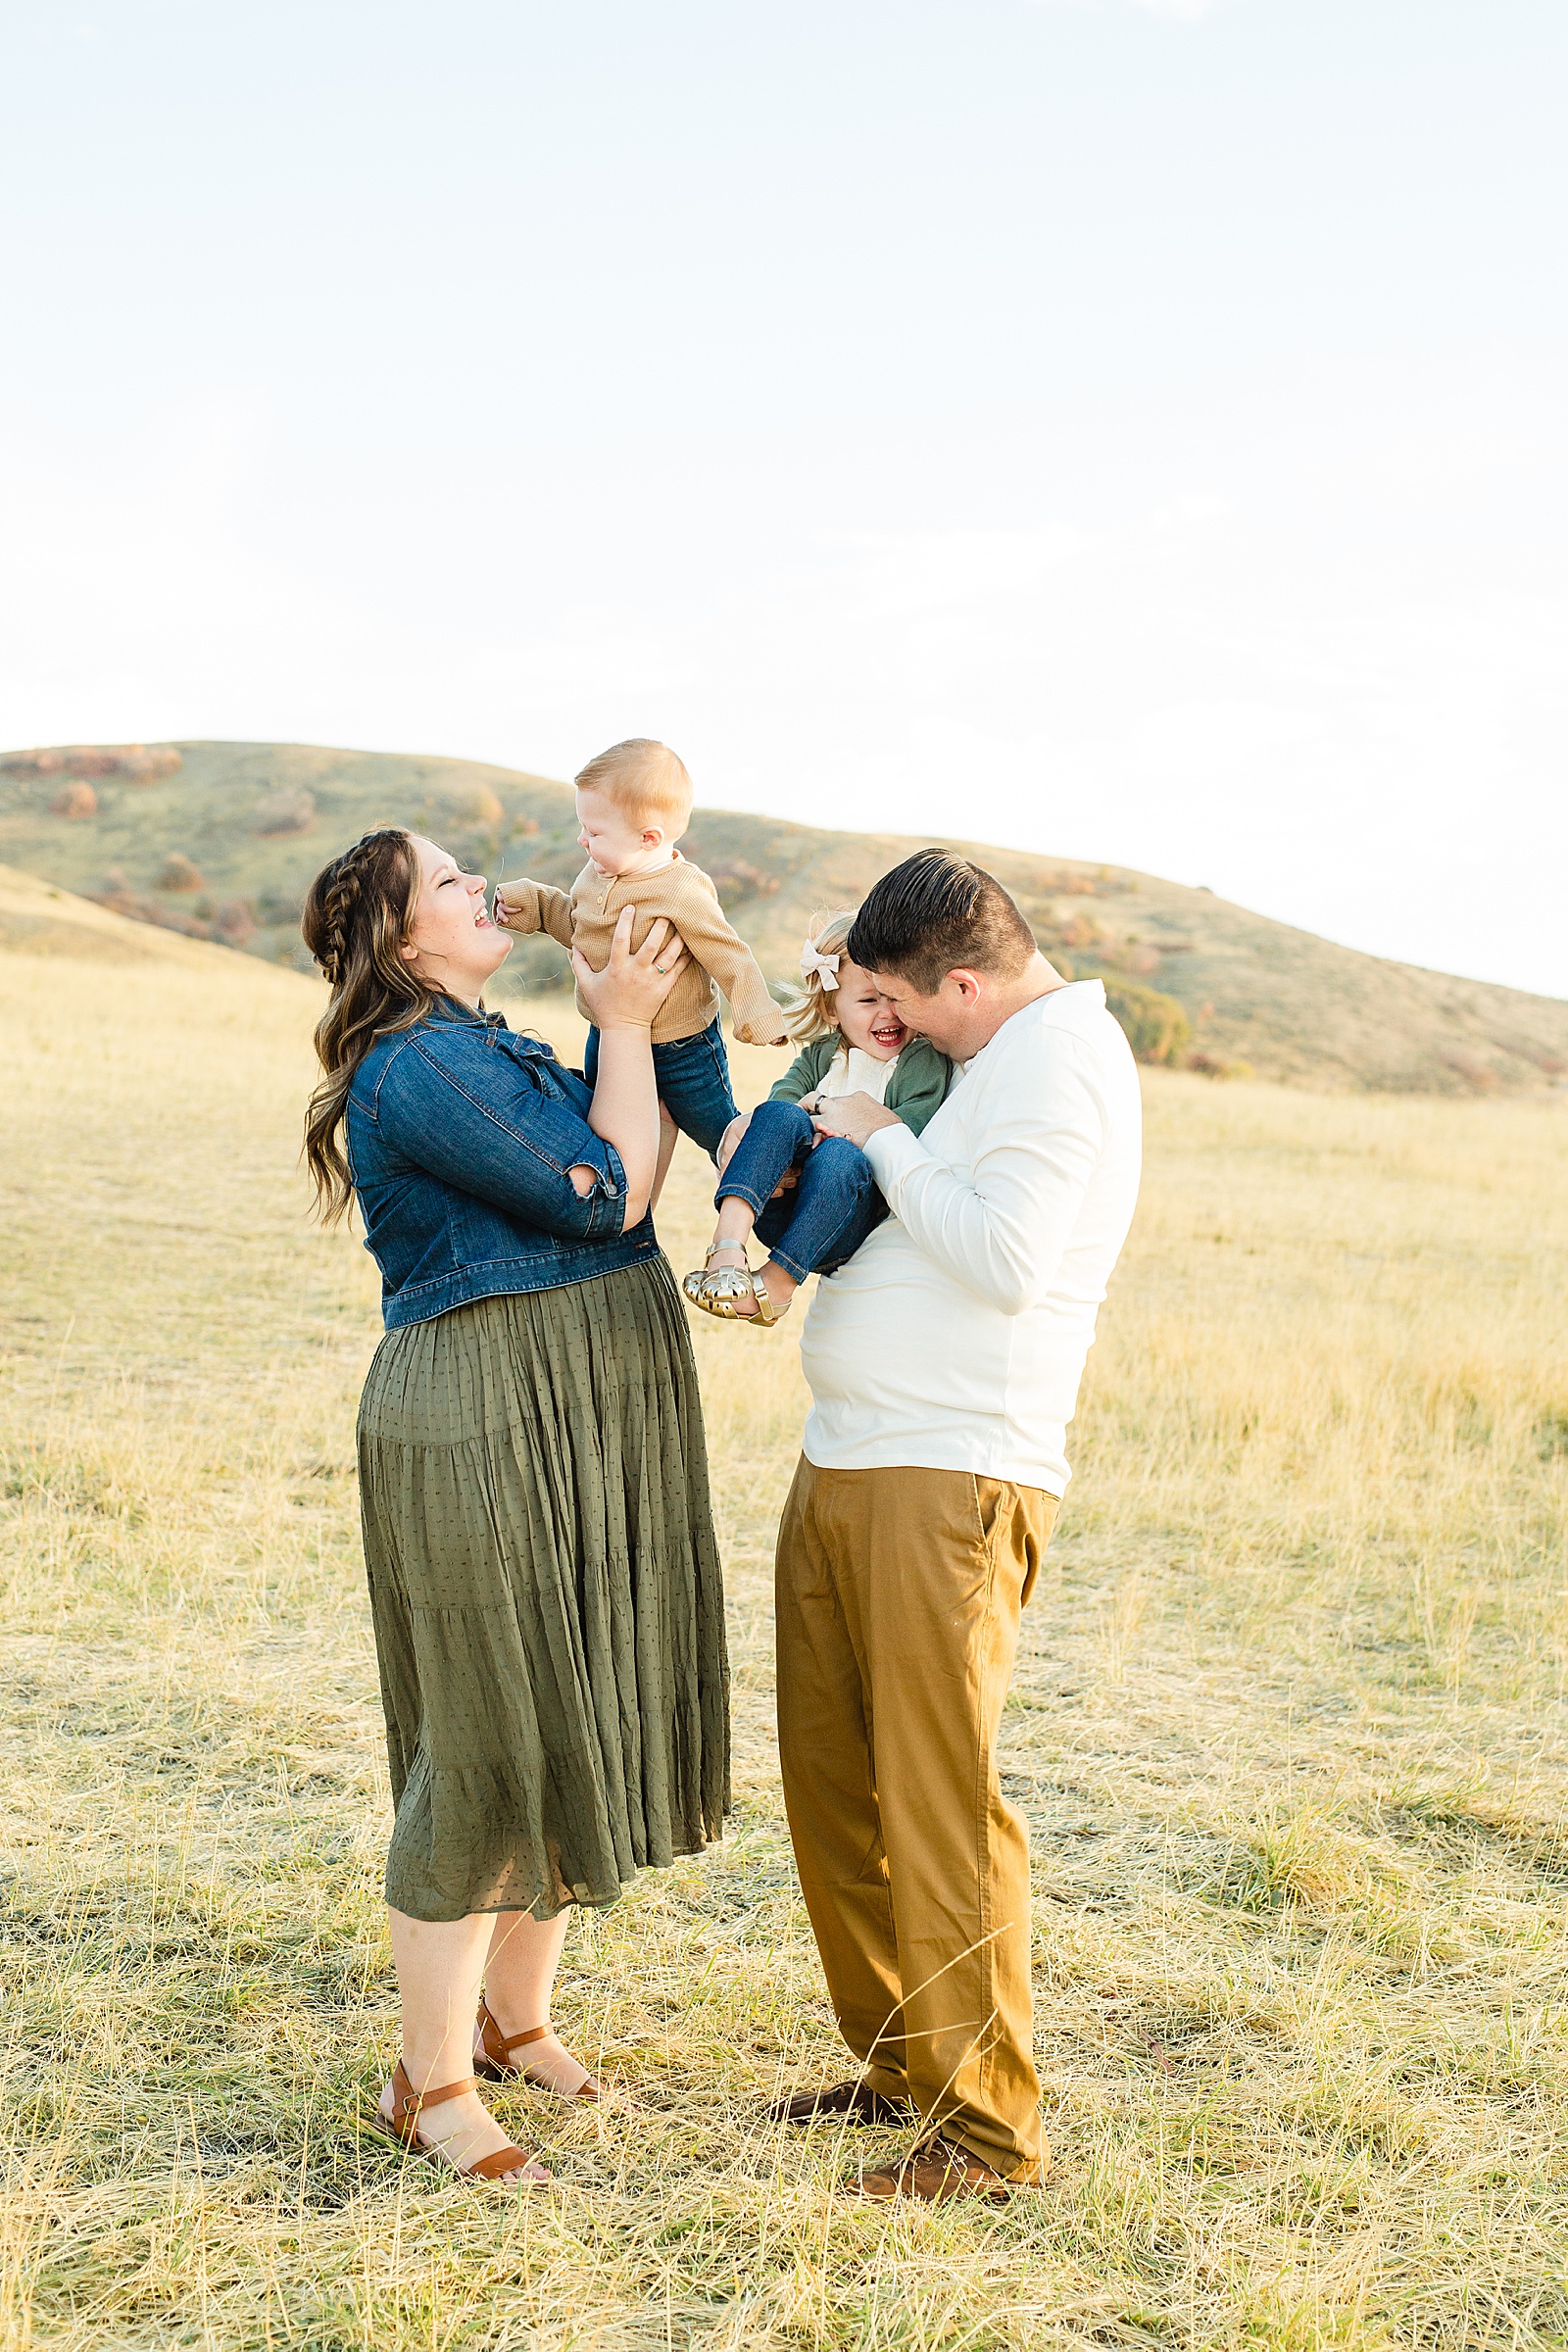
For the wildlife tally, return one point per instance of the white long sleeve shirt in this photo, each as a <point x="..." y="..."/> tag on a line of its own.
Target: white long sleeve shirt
<point x="955" y="1337"/>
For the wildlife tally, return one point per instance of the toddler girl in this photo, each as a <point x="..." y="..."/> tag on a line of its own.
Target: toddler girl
<point x="854" y="1044"/>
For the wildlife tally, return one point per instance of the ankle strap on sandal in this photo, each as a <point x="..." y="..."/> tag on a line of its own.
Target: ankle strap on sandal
<point x="509" y="2041"/>
<point x="409" y="2102"/>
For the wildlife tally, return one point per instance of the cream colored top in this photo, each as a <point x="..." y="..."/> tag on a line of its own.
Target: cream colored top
<point x="857" y="1072"/>
<point x="954" y="1337"/>
<point x="586" y="916"/>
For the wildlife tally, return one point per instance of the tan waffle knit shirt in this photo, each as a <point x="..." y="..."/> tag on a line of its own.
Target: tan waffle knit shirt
<point x="586" y="916"/>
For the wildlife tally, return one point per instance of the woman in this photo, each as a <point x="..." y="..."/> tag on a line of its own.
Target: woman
<point x="544" y="1581"/>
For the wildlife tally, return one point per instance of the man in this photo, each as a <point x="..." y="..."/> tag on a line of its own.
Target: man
<point x="944" y="1362"/>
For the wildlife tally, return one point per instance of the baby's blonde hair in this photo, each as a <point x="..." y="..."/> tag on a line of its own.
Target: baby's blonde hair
<point x="644" y="780"/>
<point x="808" y="1009"/>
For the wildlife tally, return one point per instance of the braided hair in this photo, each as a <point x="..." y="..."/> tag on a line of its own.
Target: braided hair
<point x="358" y="915"/>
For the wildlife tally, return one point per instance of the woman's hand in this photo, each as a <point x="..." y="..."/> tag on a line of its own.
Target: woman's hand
<point x="621" y="1002"/>
<point x="631" y="988"/>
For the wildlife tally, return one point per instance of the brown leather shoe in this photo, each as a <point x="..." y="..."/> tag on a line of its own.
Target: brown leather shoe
<point x="856" y="2101"/>
<point x="402" y="2125"/>
<point x="938" y="2170"/>
<point x="493" y="2059"/>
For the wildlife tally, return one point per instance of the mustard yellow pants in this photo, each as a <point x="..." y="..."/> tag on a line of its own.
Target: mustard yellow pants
<point x="898" y="1594"/>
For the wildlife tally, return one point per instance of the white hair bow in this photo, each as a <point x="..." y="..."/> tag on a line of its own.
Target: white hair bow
<point x="826" y="968"/>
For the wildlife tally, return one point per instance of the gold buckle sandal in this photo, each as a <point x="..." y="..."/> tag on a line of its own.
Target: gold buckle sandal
<point x="717" y="1293"/>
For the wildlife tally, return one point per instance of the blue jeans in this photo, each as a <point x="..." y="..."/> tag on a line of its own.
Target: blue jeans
<point x="692" y="1074"/>
<point x="819" y="1225"/>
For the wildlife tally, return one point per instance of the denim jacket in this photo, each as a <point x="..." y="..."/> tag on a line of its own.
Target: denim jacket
<point x="459" y="1134"/>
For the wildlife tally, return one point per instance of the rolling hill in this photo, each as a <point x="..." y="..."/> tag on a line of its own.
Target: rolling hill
<point x="39" y="918"/>
<point x="217" y="842"/>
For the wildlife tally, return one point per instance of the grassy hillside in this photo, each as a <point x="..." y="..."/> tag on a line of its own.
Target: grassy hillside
<point x="223" y="846"/>
<point x="1288" y="1727"/>
<point x="39" y="918"/>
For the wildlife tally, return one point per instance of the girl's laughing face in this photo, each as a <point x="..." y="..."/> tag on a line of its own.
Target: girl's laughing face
<point x="864" y="1015"/>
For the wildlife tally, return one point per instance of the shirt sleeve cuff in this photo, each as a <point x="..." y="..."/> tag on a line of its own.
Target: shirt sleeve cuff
<point x="606" y="1197"/>
<point x="893" y="1151"/>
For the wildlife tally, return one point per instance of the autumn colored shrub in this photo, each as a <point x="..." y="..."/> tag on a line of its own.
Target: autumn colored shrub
<point x="75" y="802"/>
<point x="1478" y="1075"/>
<point x="233" y="922"/>
<point x="287" y="811"/>
<point x="180" y="872"/>
<point x="144" y="763"/>
<point x="1158" y="1027"/>
<point x="1081" y="931"/>
<point x="734" y="878"/>
<point x="477" y="804"/>
<point x="132" y="763"/>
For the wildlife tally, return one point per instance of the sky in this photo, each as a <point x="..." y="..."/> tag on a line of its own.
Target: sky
<point x="1127" y="431"/>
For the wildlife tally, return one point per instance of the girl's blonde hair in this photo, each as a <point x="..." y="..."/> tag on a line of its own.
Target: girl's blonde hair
<point x="808" y="1009"/>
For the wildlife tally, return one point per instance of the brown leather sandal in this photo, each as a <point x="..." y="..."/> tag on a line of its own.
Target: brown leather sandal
<point x="492" y="2060"/>
<point x="402" y="2126"/>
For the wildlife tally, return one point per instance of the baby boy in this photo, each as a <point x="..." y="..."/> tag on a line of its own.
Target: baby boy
<point x="634" y="801"/>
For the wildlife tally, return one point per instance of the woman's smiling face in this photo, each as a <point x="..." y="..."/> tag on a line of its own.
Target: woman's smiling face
<point x="452" y="942"/>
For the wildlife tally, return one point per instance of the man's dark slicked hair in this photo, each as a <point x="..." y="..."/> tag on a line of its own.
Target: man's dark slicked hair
<point x="934" y="914"/>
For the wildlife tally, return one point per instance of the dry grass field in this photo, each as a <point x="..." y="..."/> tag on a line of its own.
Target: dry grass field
<point x="1289" y="1727"/>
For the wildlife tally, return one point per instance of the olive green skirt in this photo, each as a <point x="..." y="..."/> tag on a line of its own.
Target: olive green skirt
<point x="546" y="1592"/>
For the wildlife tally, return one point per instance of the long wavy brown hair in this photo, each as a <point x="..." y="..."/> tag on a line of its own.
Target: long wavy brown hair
<point x="359" y="912"/>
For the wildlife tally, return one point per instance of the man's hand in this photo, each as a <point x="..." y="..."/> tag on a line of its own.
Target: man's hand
<point x="856" y="1117"/>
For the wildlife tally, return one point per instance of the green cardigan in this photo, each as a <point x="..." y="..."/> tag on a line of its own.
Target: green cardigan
<point x="916" y="1090"/>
